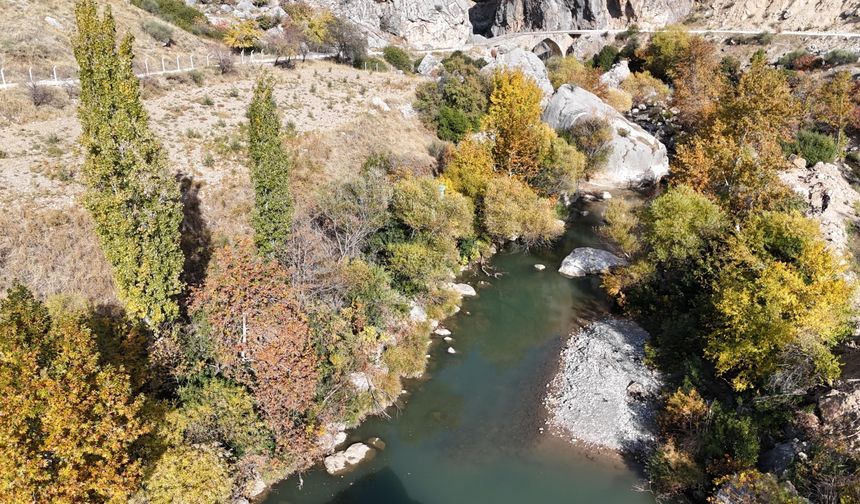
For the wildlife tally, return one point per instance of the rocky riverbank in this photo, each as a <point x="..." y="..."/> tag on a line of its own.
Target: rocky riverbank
<point x="603" y="394"/>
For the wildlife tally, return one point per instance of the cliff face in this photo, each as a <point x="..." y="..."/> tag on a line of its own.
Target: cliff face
<point x="772" y="15"/>
<point x="528" y="15"/>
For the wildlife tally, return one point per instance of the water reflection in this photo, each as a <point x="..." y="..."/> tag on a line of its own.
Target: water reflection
<point x="381" y="487"/>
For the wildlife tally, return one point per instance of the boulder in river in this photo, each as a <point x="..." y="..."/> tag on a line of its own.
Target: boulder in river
<point x="343" y="461"/>
<point x="589" y="261"/>
<point x="636" y="157"/>
<point x="604" y="394"/>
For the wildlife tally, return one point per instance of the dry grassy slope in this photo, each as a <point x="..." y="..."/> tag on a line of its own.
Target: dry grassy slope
<point x="46" y="239"/>
<point x="26" y="38"/>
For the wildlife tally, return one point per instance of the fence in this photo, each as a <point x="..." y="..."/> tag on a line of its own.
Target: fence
<point x="149" y="66"/>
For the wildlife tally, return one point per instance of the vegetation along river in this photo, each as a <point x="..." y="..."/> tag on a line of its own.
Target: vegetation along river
<point x="470" y="430"/>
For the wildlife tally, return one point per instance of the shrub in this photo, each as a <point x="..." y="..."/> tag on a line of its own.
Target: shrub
<point x="814" y="147"/>
<point x="159" y="31"/>
<point x="188" y="474"/>
<point x="645" y="88"/>
<point x="592" y="136"/>
<point x="799" y="59"/>
<point x="665" y="49"/>
<point x="216" y="411"/>
<point x="470" y="168"/>
<point x="513" y="210"/>
<point x="347" y="40"/>
<point x="840" y="57"/>
<point x="425" y="205"/>
<point x="176" y="12"/>
<point x="619" y="100"/>
<point x="39" y="94"/>
<point x="453" y="124"/>
<point x="398" y="58"/>
<point x="607" y="57"/>
<point x="419" y="265"/>
<point x="732" y="443"/>
<point x="561" y="170"/>
<point x="681" y="224"/>
<point x="244" y="35"/>
<point x="674" y="471"/>
<point x="225" y="62"/>
<point x="371" y="64"/>
<point x="764" y="38"/>
<point x="620" y="223"/>
<point x="267" y="22"/>
<point x="569" y="70"/>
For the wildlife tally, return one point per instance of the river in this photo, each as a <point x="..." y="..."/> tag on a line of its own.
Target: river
<point x="470" y="430"/>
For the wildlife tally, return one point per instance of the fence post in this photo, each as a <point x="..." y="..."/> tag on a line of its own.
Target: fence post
<point x="55" y="73"/>
<point x="191" y="57"/>
<point x="243" y="56"/>
<point x="178" y="66"/>
<point x="207" y="59"/>
<point x="146" y="65"/>
<point x="163" y="68"/>
<point x="3" y="76"/>
<point x="30" y="71"/>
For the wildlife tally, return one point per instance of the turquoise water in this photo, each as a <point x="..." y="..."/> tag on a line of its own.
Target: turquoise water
<point x="468" y="432"/>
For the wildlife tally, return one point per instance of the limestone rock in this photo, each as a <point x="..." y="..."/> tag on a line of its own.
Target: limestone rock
<point x="637" y="158"/>
<point x="540" y="267"/>
<point x="333" y="436"/>
<point x="451" y="350"/>
<point x="589" y="261"/>
<point x="360" y="381"/>
<point x="616" y="75"/>
<point x="840" y="413"/>
<point x="548" y="15"/>
<point x="430" y="65"/>
<point x="526" y="61"/>
<point x="830" y="197"/>
<point x="464" y="289"/>
<point x="343" y="461"/>
<point x="442" y="332"/>
<point x="604" y="394"/>
<point x="417" y="312"/>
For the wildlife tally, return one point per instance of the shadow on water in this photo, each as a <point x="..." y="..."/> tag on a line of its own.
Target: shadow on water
<point x="376" y="488"/>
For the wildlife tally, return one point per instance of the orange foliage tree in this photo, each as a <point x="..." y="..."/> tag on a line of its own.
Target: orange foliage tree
<point x="698" y="82"/>
<point x="262" y="339"/>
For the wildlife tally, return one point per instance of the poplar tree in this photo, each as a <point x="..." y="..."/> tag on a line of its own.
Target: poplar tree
<point x="132" y="197"/>
<point x="270" y="171"/>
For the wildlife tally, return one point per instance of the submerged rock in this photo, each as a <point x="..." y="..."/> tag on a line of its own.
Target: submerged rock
<point x="540" y="267"/>
<point x="636" y="157"/>
<point x="343" y="461"/>
<point x="451" y="350"/>
<point x="603" y="394"/>
<point x="442" y="332"/>
<point x="589" y="261"/>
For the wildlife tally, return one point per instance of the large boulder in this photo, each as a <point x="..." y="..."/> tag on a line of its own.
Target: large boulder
<point x="430" y="65"/>
<point x="589" y="261"/>
<point x="604" y="394"/>
<point x="830" y="197"/>
<point x="616" y="75"/>
<point x="839" y="410"/>
<point x="526" y="61"/>
<point x="344" y="461"/>
<point x="636" y="157"/>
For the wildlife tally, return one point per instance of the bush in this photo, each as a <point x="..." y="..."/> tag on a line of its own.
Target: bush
<point x="619" y="100"/>
<point x="674" y="471"/>
<point x="800" y="60"/>
<point x="188" y="474"/>
<point x="371" y="64"/>
<point x="176" y="12"/>
<point x="569" y="70"/>
<point x="420" y="265"/>
<point x="732" y="443"/>
<point x="620" y="224"/>
<point x="159" y="31"/>
<point x="513" y="210"/>
<point x="398" y="58"/>
<point x="266" y="22"/>
<point x="645" y="88"/>
<point x="453" y="124"/>
<point x="470" y="168"/>
<point x="347" y="40"/>
<point x="592" y="136"/>
<point x="814" y="147"/>
<point x="425" y="205"/>
<point x="607" y="57"/>
<point x="666" y="48"/>
<point x="244" y="35"/>
<point x="840" y="57"/>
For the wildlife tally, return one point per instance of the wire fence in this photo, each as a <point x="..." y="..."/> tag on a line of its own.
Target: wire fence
<point x="64" y="75"/>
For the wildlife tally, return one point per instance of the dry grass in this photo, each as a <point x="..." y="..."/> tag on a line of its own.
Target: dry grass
<point x="53" y="251"/>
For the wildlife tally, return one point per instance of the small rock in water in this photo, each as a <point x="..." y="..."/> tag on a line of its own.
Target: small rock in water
<point x="464" y="289"/>
<point x="343" y="461"/>
<point x="376" y="443"/>
<point x="442" y="332"/>
<point x="427" y="356"/>
<point x="451" y="350"/>
<point x="540" y="267"/>
<point x="584" y="213"/>
<point x="448" y="339"/>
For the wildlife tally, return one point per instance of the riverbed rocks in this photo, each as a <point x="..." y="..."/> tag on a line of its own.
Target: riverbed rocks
<point x="830" y="197"/>
<point x="526" y="61"/>
<point x="637" y="158"/>
<point x="343" y="461"/>
<point x="589" y="261"/>
<point x="604" y="394"/>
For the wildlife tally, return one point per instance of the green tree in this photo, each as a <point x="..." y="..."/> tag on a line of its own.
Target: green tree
<point x="429" y="207"/>
<point x="186" y="475"/>
<point x="67" y="423"/>
<point x="665" y="49"/>
<point x="834" y="104"/>
<point x="512" y="209"/>
<point x="270" y="171"/>
<point x="132" y="197"/>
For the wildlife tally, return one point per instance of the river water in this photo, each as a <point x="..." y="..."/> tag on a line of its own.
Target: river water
<point x="469" y="431"/>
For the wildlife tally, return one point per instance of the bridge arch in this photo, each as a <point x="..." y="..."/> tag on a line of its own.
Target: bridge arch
<point x="547" y="48"/>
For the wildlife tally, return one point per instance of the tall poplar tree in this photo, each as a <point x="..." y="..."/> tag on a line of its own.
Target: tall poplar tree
<point x="270" y="171"/>
<point x="131" y="195"/>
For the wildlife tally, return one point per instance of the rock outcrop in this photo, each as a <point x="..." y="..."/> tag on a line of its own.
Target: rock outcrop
<point x="547" y="15"/>
<point x="526" y="61"/>
<point x="637" y="158"/>
<point x="839" y="412"/>
<point x="616" y="75"/>
<point x="830" y="197"/>
<point x="343" y="461"/>
<point x="423" y="24"/>
<point x="589" y="261"/>
<point x="603" y="394"/>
